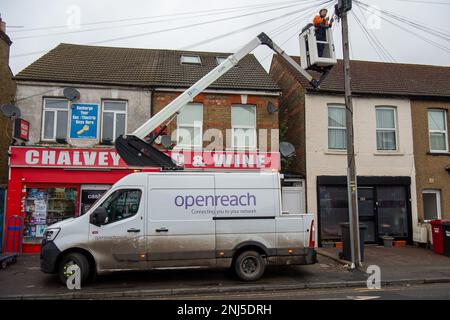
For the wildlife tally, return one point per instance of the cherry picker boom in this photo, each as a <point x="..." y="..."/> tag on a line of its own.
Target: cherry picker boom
<point x="136" y="152"/>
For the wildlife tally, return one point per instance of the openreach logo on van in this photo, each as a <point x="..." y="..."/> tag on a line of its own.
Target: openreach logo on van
<point x="241" y="202"/>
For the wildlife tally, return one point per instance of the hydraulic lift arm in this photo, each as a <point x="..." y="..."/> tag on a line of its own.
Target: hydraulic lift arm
<point x="136" y="152"/>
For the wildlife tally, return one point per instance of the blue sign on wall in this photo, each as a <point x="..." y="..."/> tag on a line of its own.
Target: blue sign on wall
<point x="84" y="121"/>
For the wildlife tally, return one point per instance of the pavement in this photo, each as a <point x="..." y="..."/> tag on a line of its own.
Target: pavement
<point x="397" y="263"/>
<point x="399" y="266"/>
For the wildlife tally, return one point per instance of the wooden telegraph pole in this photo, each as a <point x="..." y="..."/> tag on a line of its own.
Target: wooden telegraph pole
<point x="345" y="6"/>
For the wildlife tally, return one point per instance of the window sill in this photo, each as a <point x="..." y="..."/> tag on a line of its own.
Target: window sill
<point x="336" y="152"/>
<point x="438" y="153"/>
<point x="388" y="153"/>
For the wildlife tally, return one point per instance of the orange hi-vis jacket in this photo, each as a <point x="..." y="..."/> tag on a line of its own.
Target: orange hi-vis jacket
<point x="318" y="20"/>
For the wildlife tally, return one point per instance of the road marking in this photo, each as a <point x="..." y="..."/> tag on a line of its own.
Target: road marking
<point x="363" y="297"/>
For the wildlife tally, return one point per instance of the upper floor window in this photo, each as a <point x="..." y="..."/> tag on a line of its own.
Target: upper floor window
<point x="243" y="126"/>
<point x="386" y="128"/>
<point x="337" y="127"/>
<point x="190" y="59"/>
<point x="55" y="119"/>
<point x="190" y="125"/>
<point x="114" y="119"/>
<point x="438" y="130"/>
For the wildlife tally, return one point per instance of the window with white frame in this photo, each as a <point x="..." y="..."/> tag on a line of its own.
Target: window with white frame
<point x="187" y="59"/>
<point x="431" y="204"/>
<point x="386" y="121"/>
<point x="438" y="130"/>
<point x="114" y="120"/>
<point x="190" y="125"/>
<point x="243" y="126"/>
<point x="55" y="119"/>
<point x="337" y="127"/>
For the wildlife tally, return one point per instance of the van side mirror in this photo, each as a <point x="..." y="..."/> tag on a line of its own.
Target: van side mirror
<point x="99" y="216"/>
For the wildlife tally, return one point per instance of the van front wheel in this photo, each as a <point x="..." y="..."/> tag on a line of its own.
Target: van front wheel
<point x="249" y="266"/>
<point x="71" y="259"/>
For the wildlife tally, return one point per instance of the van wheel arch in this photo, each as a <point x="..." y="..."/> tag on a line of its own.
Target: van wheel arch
<point x="250" y="246"/>
<point x="87" y="254"/>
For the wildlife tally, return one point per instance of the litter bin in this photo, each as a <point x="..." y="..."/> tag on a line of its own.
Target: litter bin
<point x="346" y="253"/>
<point x="438" y="236"/>
<point x="446" y="236"/>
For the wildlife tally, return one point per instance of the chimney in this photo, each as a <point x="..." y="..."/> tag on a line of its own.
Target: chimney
<point x="2" y="25"/>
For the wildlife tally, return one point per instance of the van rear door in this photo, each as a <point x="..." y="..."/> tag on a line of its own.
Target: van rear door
<point x="180" y="227"/>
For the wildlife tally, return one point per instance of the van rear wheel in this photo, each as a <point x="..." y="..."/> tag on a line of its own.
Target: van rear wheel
<point x="249" y="265"/>
<point x="70" y="259"/>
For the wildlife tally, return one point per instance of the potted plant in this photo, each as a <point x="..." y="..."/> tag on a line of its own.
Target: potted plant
<point x="387" y="241"/>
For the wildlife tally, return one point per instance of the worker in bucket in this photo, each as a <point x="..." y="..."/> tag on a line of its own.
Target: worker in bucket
<point x="322" y="23"/>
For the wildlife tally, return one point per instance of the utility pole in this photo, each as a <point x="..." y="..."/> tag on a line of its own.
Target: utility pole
<point x="351" y="167"/>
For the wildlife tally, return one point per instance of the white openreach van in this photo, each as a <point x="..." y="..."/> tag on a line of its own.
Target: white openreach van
<point x="180" y="219"/>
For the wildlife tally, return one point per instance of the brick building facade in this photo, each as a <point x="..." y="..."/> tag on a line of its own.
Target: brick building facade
<point x="432" y="166"/>
<point x="7" y="96"/>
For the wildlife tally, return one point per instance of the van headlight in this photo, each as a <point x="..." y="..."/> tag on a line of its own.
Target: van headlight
<point x="50" y="234"/>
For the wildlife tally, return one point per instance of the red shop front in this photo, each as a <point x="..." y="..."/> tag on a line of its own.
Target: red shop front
<point x="47" y="185"/>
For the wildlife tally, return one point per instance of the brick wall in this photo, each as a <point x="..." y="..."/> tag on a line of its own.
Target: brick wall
<point x="293" y="100"/>
<point x="217" y="114"/>
<point x="7" y="94"/>
<point x="430" y="168"/>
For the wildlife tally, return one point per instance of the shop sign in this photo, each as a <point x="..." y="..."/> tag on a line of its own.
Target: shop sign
<point x="226" y="160"/>
<point x="83" y="121"/>
<point x="21" y="129"/>
<point x="63" y="158"/>
<point x="109" y="158"/>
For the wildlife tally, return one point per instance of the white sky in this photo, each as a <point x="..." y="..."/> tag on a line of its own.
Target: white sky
<point x="403" y="46"/>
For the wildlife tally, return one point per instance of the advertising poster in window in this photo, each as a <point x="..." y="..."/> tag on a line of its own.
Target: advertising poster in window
<point x="84" y="121"/>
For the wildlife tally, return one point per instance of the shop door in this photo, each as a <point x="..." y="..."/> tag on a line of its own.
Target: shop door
<point x="293" y="200"/>
<point x="119" y="243"/>
<point x="90" y="194"/>
<point x="367" y="213"/>
<point x="393" y="213"/>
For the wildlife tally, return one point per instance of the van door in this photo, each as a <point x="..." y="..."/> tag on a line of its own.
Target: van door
<point x="120" y="242"/>
<point x="180" y="227"/>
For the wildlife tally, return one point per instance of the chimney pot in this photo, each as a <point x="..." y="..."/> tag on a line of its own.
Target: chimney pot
<point x="2" y="26"/>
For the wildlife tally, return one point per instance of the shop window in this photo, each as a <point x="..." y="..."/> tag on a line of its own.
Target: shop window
<point x="55" y="119"/>
<point x="438" y="132"/>
<point x="114" y="120"/>
<point x="243" y="126"/>
<point x="431" y="204"/>
<point x="386" y="128"/>
<point x="46" y="206"/>
<point x="122" y="204"/>
<point x="392" y="211"/>
<point x="190" y="126"/>
<point x="337" y="127"/>
<point x="333" y="210"/>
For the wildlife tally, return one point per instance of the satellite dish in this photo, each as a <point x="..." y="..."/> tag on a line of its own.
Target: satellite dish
<point x="10" y="110"/>
<point x="71" y="93"/>
<point x="287" y="149"/>
<point x="271" y="108"/>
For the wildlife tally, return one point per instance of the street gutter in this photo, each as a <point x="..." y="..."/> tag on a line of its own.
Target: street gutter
<point x="214" y="290"/>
